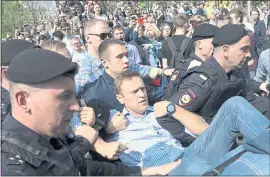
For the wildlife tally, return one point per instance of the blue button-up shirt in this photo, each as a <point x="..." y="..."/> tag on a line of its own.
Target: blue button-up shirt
<point x="89" y="71"/>
<point x="133" y="54"/>
<point x="148" y="143"/>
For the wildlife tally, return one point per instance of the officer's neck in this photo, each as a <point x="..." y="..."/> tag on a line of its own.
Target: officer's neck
<point x="5" y="84"/>
<point x="222" y="62"/>
<point x="202" y="57"/>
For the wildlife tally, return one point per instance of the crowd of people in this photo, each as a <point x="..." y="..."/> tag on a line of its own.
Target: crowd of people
<point x="182" y="89"/>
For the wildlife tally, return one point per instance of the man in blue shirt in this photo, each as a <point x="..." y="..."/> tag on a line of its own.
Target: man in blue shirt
<point x="100" y="94"/>
<point x="149" y="144"/>
<point x="133" y="54"/>
<point x="95" y="31"/>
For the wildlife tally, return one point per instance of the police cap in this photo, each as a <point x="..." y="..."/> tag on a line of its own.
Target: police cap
<point x="12" y="47"/>
<point x="229" y="34"/>
<point x="204" y="31"/>
<point x="35" y="66"/>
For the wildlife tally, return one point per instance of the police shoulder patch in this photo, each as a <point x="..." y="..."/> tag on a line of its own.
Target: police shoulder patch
<point x="186" y="97"/>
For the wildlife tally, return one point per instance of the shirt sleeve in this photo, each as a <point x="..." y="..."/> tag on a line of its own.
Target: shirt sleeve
<point x="261" y="71"/>
<point x="193" y="92"/>
<point x="143" y="70"/>
<point x="137" y="57"/>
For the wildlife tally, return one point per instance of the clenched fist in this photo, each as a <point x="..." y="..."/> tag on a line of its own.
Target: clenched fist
<point x="160" y="108"/>
<point x="168" y="72"/>
<point x="87" y="116"/>
<point x="112" y="150"/>
<point x="117" y="123"/>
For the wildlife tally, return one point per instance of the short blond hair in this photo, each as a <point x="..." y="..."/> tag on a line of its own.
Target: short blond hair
<point x="155" y="29"/>
<point x="92" y="23"/>
<point x="54" y="46"/>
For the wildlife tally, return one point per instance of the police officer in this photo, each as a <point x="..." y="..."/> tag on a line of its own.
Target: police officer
<point x="202" y="37"/>
<point x="205" y="88"/>
<point x="10" y="49"/>
<point x="42" y="93"/>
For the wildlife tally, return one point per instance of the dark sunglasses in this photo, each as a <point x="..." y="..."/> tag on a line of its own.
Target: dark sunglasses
<point x="102" y="36"/>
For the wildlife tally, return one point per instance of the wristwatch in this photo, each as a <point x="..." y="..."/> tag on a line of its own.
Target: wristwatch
<point x="170" y="109"/>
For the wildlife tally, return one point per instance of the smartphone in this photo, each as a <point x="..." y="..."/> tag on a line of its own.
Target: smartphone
<point x="140" y="21"/>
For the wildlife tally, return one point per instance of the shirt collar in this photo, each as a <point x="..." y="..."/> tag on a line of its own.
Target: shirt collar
<point x="126" y="113"/>
<point x="195" y="57"/>
<point x="213" y="62"/>
<point x="108" y="78"/>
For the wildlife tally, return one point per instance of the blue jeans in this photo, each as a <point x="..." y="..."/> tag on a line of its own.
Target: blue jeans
<point x="211" y="148"/>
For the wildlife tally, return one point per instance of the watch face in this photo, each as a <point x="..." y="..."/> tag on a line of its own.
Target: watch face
<point x="170" y="108"/>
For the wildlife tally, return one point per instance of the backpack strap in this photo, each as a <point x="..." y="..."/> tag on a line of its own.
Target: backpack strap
<point x="171" y="45"/>
<point x="219" y="169"/>
<point x="184" y="44"/>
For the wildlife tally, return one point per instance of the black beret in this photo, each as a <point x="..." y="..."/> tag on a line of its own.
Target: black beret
<point x="13" y="47"/>
<point x="229" y="34"/>
<point x="204" y="31"/>
<point x="35" y="66"/>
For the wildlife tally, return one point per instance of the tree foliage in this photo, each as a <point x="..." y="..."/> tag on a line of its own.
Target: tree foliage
<point x="13" y="15"/>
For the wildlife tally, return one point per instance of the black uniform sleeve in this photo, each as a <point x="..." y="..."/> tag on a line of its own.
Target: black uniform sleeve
<point x="114" y="169"/>
<point x="193" y="92"/>
<point x="253" y="85"/>
<point x="260" y="103"/>
<point x="13" y="166"/>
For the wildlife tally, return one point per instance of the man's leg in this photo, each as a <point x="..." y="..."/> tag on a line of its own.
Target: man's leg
<point x="235" y="115"/>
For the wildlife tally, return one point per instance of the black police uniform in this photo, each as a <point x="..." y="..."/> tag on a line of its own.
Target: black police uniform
<point x="10" y="49"/>
<point x="205" y="88"/>
<point x="204" y="31"/>
<point x="5" y="103"/>
<point x="25" y="152"/>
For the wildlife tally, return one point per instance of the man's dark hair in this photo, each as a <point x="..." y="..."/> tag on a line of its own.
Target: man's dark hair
<point x="117" y="27"/>
<point x="255" y="10"/>
<point x="103" y="47"/>
<point x="65" y="25"/>
<point x="43" y="37"/>
<point x="180" y="20"/>
<point x="238" y="12"/>
<point x="59" y="34"/>
<point x="126" y="75"/>
<point x="66" y="10"/>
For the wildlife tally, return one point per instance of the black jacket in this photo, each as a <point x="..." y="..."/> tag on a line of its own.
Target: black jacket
<point x="24" y="152"/>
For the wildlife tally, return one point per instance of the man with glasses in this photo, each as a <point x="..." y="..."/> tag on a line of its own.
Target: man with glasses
<point x="78" y="51"/>
<point x="95" y="32"/>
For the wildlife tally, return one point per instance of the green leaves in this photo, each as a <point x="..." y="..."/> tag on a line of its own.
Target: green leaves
<point x="13" y="15"/>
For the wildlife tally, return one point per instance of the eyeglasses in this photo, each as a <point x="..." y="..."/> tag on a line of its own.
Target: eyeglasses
<point x="102" y="36"/>
<point x="77" y="43"/>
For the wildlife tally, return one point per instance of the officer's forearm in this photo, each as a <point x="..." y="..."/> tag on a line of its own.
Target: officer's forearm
<point x="194" y="123"/>
<point x="99" y="144"/>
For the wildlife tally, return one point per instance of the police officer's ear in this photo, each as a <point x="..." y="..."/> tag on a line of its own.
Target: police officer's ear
<point x="4" y="71"/>
<point x="198" y="44"/>
<point x="226" y="49"/>
<point x="22" y="100"/>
